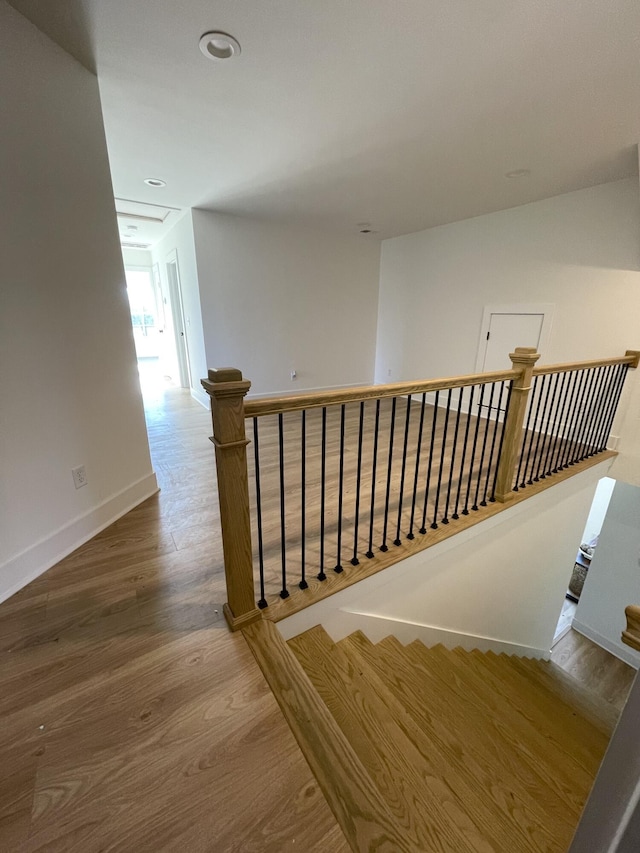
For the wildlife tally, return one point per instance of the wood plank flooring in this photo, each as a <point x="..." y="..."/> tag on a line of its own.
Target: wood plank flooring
<point x="601" y="673"/>
<point x="130" y="718"/>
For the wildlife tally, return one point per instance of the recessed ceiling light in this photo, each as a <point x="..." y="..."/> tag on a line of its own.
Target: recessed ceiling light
<point x="365" y="228"/>
<point x="518" y="173"/>
<point x="219" y="46"/>
<point x="155" y="182"/>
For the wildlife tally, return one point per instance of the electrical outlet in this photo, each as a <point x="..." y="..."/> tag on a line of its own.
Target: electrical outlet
<point x="79" y="476"/>
<point x="294" y="374"/>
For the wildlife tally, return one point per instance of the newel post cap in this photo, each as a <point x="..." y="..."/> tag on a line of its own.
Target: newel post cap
<point x="524" y="355"/>
<point x="225" y="382"/>
<point x="224" y="374"/>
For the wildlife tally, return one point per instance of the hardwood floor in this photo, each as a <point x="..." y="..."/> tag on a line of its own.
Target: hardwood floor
<point x="600" y="672"/>
<point x="130" y="718"/>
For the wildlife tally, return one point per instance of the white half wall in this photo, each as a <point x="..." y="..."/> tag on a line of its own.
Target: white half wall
<point x="279" y="298"/>
<point x="613" y="580"/>
<point x="69" y="387"/>
<point x="499" y="585"/>
<point x="180" y="240"/>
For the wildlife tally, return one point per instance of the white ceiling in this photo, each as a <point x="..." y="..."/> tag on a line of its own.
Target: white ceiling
<point x="405" y="114"/>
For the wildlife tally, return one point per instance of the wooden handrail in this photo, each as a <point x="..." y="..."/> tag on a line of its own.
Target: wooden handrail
<point x="229" y="408"/>
<point x="631" y="637"/>
<point x="258" y="406"/>
<point x="255" y="407"/>
<point x="631" y="358"/>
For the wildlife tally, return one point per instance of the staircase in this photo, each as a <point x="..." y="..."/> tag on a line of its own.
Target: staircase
<point x="469" y="751"/>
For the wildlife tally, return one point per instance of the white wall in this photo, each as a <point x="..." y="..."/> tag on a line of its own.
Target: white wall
<point x="613" y="580"/>
<point x="278" y="297"/>
<point x="69" y="389"/>
<point x="499" y="585"/>
<point x="611" y="818"/>
<point x="598" y="510"/>
<point x="136" y="257"/>
<point x="180" y="239"/>
<point x="579" y="251"/>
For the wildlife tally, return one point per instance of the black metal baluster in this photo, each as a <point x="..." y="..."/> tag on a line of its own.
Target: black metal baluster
<point x="565" y="393"/>
<point x="410" y="534"/>
<point x="599" y="408"/>
<point x="578" y="449"/>
<point x="423" y="529"/>
<point x="594" y="413"/>
<point x="483" y="502"/>
<point x="303" y="496"/>
<point x="492" y="499"/>
<point x="374" y="466"/>
<point x="354" y="560"/>
<point x="575" y="418"/>
<point x="549" y="433"/>
<point x="518" y="484"/>
<point x="396" y="541"/>
<point x="392" y="427"/>
<point x="464" y="451"/>
<point x="546" y="420"/>
<point x="338" y="566"/>
<point x="445" y="519"/>
<point x="284" y="592"/>
<point x="465" y="511"/>
<point x="323" y="481"/>
<point x="614" y="389"/>
<point x="541" y="433"/>
<point x="608" y="396"/>
<point x="619" y="385"/>
<point x="531" y="457"/>
<point x="484" y="445"/>
<point x="434" y="524"/>
<point x="256" y="452"/>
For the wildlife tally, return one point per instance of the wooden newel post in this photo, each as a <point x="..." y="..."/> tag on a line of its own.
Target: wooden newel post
<point x="523" y="359"/>
<point x="227" y="390"/>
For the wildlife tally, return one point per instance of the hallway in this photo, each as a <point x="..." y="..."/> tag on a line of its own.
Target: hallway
<point x="130" y="718"/>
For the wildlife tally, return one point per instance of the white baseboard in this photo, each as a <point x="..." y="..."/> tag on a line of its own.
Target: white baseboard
<point x="200" y="396"/>
<point x="624" y="653"/>
<point x="378" y="627"/>
<point x="25" y="567"/>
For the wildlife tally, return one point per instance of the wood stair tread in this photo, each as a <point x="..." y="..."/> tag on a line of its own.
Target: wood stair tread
<point x="601" y="714"/>
<point x="504" y="817"/>
<point x="420" y="801"/>
<point x="469" y="751"/>
<point x="560" y="723"/>
<point x="509" y="739"/>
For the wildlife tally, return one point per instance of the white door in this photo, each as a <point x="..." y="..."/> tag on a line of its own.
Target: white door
<point x="505" y="333"/>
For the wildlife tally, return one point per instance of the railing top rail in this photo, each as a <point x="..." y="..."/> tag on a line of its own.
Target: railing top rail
<point x="259" y="406"/>
<point x="584" y="365"/>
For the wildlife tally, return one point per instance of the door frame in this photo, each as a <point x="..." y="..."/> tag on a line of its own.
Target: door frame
<point x="179" y="328"/>
<point x="544" y="308"/>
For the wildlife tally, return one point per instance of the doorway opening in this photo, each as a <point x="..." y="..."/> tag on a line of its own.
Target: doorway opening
<point x="146" y="306"/>
<point x="585" y="552"/>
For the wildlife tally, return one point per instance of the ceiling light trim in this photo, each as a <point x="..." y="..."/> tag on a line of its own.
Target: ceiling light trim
<point x="219" y="46"/>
